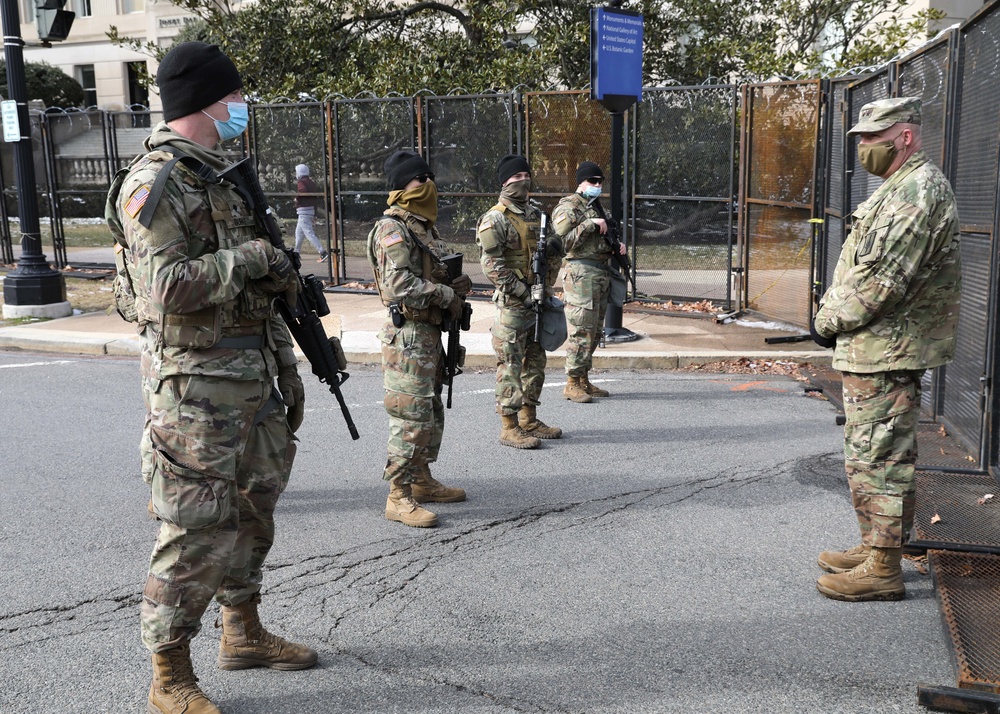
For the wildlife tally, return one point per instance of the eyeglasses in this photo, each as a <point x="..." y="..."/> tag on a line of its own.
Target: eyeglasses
<point x="424" y="178"/>
<point x="596" y="180"/>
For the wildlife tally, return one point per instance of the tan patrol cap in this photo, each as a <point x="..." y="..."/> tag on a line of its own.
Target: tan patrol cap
<point x="881" y="114"/>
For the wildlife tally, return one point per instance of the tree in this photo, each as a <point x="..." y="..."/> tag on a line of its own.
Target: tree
<point x="51" y="85"/>
<point x="285" y="48"/>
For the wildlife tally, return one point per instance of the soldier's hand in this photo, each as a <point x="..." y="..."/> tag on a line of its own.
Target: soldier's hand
<point x="528" y="301"/>
<point x="602" y="225"/>
<point x="462" y="285"/>
<point x="293" y="395"/>
<point x="827" y="342"/>
<point x="281" y="275"/>
<point x="455" y="308"/>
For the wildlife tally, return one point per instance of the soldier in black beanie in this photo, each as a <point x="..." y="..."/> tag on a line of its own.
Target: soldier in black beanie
<point x="205" y="278"/>
<point x="586" y="278"/>
<point x="507" y="235"/>
<point x="404" y="249"/>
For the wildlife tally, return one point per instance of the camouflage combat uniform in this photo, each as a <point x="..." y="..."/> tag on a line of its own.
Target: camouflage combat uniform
<point x="216" y="448"/>
<point x="893" y="305"/>
<point x="407" y="273"/>
<point x="586" y="279"/>
<point x="507" y="238"/>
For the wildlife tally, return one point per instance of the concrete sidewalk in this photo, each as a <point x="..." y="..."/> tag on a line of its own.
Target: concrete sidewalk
<point x="666" y="341"/>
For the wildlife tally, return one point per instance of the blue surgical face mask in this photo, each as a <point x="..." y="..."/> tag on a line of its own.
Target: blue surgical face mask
<point x="239" y="117"/>
<point x="592" y="191"/>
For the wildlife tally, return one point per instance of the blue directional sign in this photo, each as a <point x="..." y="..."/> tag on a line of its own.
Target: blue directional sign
<point x="615" y="56"/>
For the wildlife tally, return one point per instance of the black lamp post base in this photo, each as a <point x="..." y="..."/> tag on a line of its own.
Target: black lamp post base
<point x="619" y="334"/>
<point x="35" y="290"/>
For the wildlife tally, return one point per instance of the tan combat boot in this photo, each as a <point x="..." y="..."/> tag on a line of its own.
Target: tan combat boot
<point x="245" y="642"/>
<point x="575" y="391"/>
<point x="401" y="507"/>
<point x="835" y="561"/>
<point x="591" y="389"/>
<point x="878" y="578"/>
<point x="427" y="488"/>
<point x="511" y="434"/>
<point x="175" y="689"/>
<point x="528" y="420"/>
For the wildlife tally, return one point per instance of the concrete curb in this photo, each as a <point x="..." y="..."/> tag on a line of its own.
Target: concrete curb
<point x="363" y="347"/>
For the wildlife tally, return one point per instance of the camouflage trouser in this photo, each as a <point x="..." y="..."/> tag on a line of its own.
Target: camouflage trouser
<point x="520" y="360"/>
<point x="585" y="292"/>
<point x="880" y="449"/>
<point x="413" y="375"/>
<point x="215" y="479"/>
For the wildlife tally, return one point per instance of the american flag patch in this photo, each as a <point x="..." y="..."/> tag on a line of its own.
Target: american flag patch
<point x="392" y="239"/>
<point x="137" y="201"/>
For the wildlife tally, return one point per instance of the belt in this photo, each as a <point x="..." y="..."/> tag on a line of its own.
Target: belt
<point x="592" y="263"/>
<point x="249" y="342"/>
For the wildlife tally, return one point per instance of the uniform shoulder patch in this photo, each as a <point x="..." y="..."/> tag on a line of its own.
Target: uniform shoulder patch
<point x="560" y="217"/>
<point x="392" y="239"/>
<point x="137" y="200"/>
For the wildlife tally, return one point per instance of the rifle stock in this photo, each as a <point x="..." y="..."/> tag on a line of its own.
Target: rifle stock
<point x="324" y="353"/>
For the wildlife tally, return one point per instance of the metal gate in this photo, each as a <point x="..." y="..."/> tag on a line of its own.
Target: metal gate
<point x="778" y="198"/>
<point x="683" y="192"/>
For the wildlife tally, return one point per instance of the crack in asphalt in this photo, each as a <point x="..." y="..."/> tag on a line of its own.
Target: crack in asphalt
<point x="383" y="574"/>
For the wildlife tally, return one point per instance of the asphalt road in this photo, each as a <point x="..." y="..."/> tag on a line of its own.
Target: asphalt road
<point x="660" y="558"/>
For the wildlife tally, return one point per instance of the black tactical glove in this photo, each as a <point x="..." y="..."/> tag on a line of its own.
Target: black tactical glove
<point x="827" y="342"/>
<point x="553" y="248"/>
<point x="281" y="275"/>
<point x="462" y="285"/>
<point x="455" y="308"/>
<point x="293" y="395"/>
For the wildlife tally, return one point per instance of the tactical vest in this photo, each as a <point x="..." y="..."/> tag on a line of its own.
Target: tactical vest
<point x="519" y="259"/>
<point x="431" y="270"/>
<point x="233" y="224"/>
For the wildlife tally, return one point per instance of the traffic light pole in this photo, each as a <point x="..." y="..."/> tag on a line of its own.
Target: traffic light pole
<point x="33" y="289"/>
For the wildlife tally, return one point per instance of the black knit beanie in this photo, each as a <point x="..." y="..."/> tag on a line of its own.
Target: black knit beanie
<point x="586" y="170"/>
<point x="510" y="165"/>
<point x="192" y="76"/>
<point x="402" y="167"/>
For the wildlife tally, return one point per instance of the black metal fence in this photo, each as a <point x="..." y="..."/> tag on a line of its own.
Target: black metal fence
<point x="738" y="195"/>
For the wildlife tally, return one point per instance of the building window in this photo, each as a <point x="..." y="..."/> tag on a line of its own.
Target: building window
<point x="82" y="8"/>
<point x="130" y="6"/>
<point x="85" y="76"/>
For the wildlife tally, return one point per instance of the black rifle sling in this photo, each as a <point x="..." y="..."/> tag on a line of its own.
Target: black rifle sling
<point x="203" y="171"/>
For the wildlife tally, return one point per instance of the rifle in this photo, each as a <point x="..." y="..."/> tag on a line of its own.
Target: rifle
<point x="540" y="266"/>
<point x="614" y="239"/>
<point x="454" y="356"/>
<point x="325" y="354"/>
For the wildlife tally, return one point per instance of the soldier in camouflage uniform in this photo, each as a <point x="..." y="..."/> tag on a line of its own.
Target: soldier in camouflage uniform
<point x="404" y="251"/>
<point x="507" y="235"/>
<point x="198" y="278"/>
<point x="891" y="313"/>
<point x="586" y="279"/>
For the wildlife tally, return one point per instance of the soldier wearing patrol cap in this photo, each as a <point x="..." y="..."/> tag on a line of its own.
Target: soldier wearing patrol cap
<point x="890" y="314"/>
<point x="199" y="278"/>
<point x="507" y="235"/>
<point x="404" y="251"/>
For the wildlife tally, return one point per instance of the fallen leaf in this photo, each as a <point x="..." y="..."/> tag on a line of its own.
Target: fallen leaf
<point x="984" y="499"/>
<point x="935" y="519"/>
<point x="969" y="458"/>
<point x="941" y="431"/>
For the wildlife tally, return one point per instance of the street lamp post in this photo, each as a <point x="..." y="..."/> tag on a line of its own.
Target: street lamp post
<point x="33" y="289"/>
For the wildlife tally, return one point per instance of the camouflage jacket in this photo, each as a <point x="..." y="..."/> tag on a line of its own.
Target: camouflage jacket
<point x="507" y="258"/>
<point x="194" y="270"/>
<point x="573" y="221"/>
<point x="895" y="295"/>
<point x="405" y="272"/>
